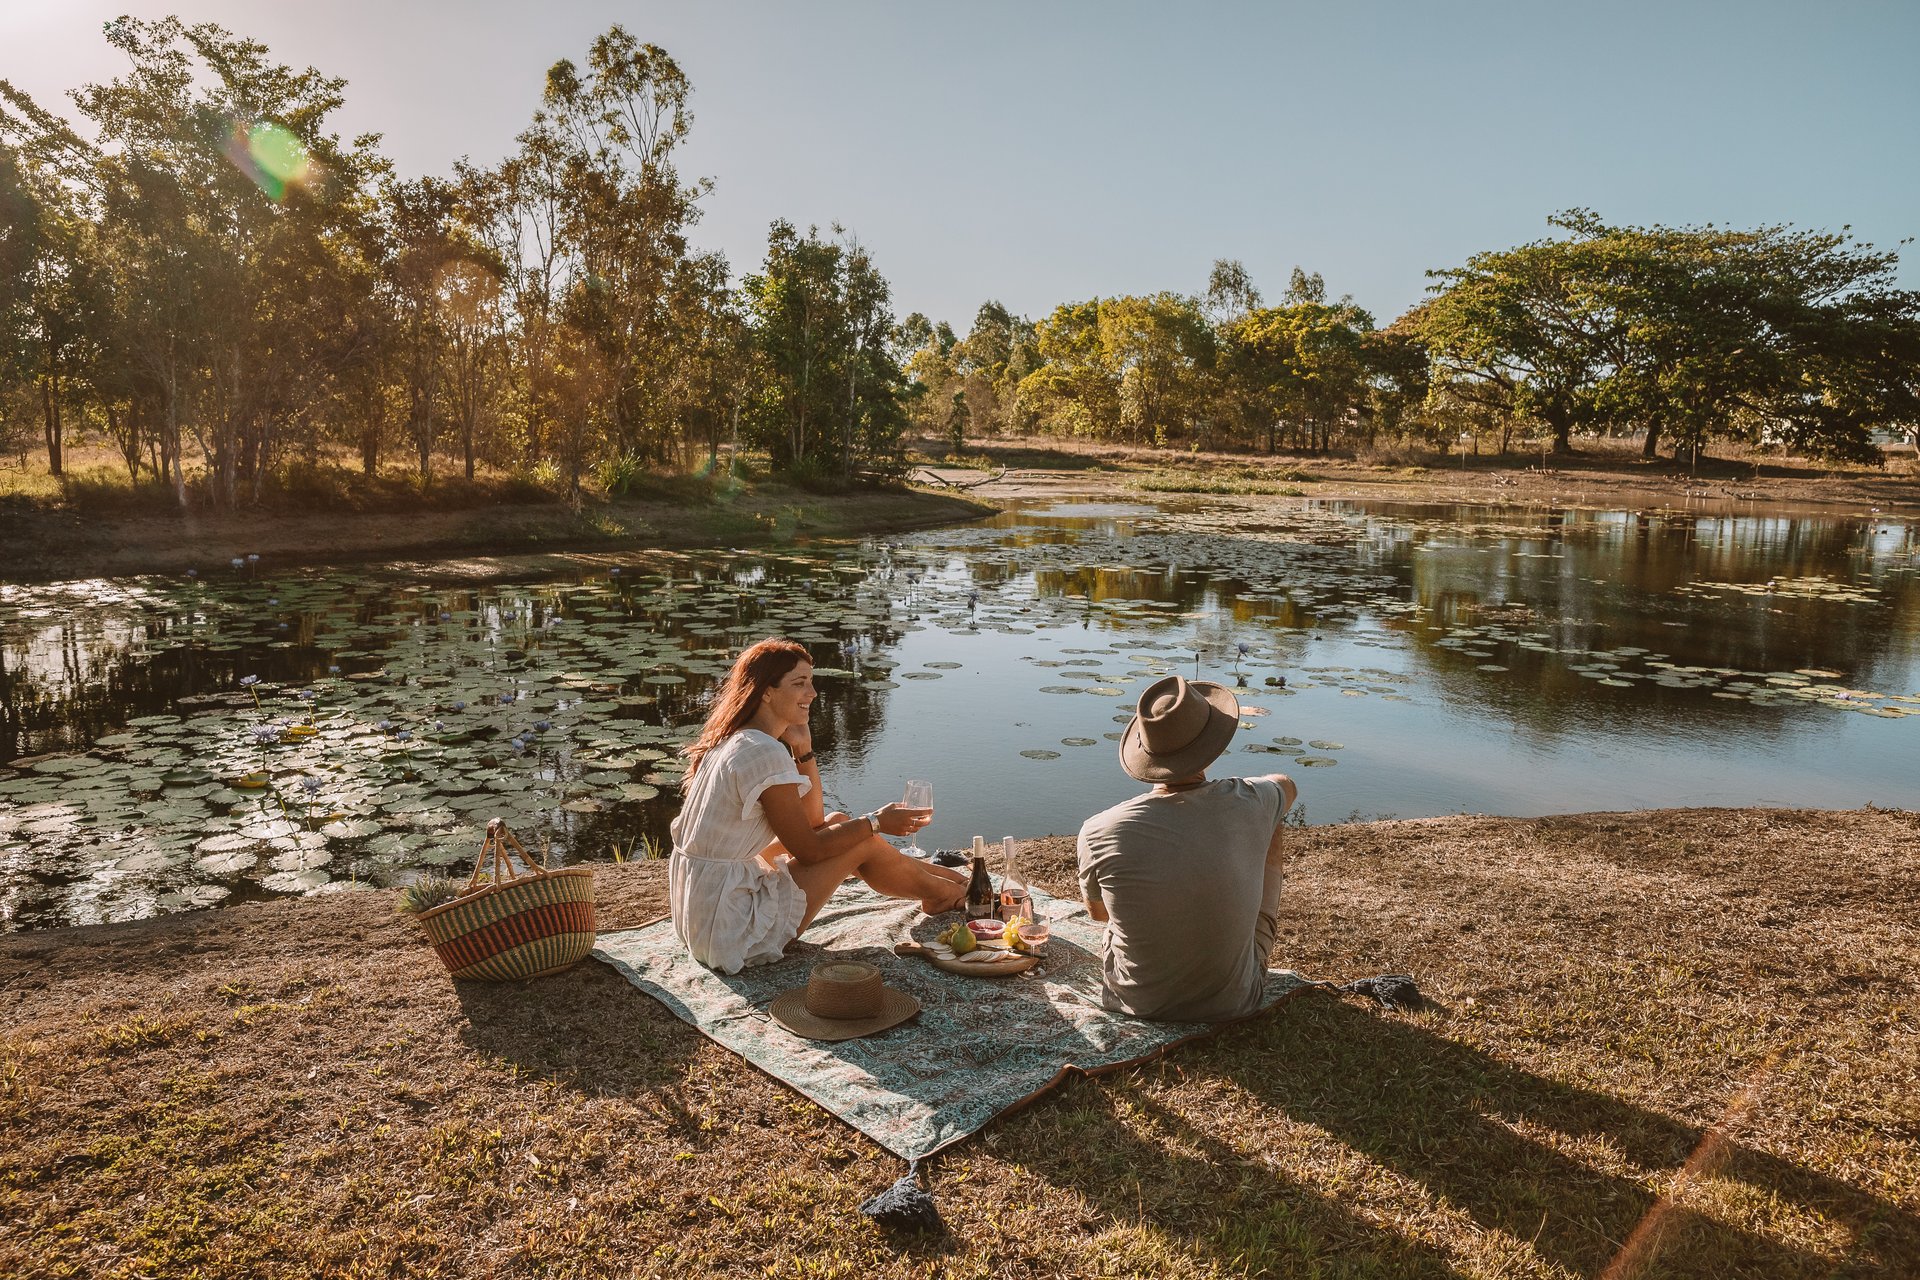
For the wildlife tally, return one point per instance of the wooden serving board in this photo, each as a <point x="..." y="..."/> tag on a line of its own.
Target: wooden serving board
<point x="1012" y="963"/>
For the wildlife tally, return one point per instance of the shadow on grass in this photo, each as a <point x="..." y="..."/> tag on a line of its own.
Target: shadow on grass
<point x="1476" y="1135"/>
<point x="584" y="1028"/>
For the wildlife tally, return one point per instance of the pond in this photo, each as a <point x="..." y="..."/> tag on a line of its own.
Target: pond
<point x="168" y="743"/>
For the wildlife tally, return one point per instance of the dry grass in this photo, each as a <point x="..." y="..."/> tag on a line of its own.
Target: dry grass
<point x="1674" y="1044"/>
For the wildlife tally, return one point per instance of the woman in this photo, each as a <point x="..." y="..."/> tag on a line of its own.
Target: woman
<point x="755" y="854"/>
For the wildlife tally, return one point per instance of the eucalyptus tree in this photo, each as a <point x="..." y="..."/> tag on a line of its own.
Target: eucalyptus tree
<point x="716" y="365"/>
<point x="1075" y="391"/>
<point x="226" y="205"/>
<point x="1300" y="369"/>
<point x="54" y="301"/>
<point x="833" y="394"/>
<point x="623" y="223"/>
<point x="1164" y="349"/>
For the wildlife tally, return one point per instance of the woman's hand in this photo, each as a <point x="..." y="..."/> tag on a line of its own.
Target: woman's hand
<point x="797" y="738"/>
<point x="898" y="820"/>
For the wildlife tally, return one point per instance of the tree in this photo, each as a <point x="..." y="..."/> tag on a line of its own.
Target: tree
<point x="833" y="397"/>
<point x="1303" y="364"/>
<point x="1526" y="332"/>
<point x="225" y="208"/>
<point x="624" y="222"/>
<point x="1685" y="333"/>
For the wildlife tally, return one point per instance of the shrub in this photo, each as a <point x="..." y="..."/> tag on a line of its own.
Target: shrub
<point x="621" y="474"/>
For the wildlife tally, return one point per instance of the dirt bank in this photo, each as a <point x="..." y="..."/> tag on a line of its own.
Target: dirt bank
<point x="1677" y="1043"/>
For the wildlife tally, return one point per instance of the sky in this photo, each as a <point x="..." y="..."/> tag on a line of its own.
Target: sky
<point x="1047" y="151"/>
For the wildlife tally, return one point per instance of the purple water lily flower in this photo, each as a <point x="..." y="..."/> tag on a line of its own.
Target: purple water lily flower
<point x="310" y="785"/>
<point x="459" y="706"/>
<point x="247" y="682"/>
<point x="541" y="726"/>
<point x="403" y="735"/>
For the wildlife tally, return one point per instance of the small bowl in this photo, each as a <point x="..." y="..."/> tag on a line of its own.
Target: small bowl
<point x="987" y="928"/>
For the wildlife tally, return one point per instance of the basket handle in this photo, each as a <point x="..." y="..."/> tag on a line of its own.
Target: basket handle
<point x="496" y="848"/>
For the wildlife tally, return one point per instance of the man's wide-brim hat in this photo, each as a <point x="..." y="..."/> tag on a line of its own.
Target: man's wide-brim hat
<point x="1178" y="728"/>
<point x="842" y="999"/>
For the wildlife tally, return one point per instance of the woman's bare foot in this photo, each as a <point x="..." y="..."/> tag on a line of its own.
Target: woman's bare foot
<point x="945" y="899"/>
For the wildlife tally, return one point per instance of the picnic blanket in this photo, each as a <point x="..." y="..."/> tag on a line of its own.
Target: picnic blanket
<point x="980" y="1047"/>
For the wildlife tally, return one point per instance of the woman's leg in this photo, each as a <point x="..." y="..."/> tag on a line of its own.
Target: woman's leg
<point x="885" y="869"/>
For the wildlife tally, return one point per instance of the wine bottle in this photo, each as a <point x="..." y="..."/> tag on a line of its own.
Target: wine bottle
<point x="980" y="902"/>
<point x="1016" y="900"/>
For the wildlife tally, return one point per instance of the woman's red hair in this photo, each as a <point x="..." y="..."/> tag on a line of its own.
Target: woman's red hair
<point x="760" y="667"/>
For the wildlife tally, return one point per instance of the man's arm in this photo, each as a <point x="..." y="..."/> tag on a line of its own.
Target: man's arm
<point x="1096" y="906"/>
<point x="1276" y="857"/>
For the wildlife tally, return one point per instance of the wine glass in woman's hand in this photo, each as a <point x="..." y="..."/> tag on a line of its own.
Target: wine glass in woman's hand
<point x="919" y="795"/>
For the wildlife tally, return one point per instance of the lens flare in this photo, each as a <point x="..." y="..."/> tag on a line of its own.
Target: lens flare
<point x="272" y="156"/>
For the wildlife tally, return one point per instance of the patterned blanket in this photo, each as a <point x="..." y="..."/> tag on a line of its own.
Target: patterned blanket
<point x="980" y="1047"/>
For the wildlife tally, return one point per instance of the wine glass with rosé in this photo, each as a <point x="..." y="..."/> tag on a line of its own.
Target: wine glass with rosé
<point x="919" y="795"/>
<point x="1036" y="930"/>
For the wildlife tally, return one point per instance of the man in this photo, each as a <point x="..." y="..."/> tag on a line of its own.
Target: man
<point x="1187" y="876"/>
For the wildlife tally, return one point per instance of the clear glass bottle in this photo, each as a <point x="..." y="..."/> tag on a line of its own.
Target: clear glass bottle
<point x="1016" y="899"/>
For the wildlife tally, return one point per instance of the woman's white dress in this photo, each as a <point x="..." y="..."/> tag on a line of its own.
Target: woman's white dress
<point x="727" y="907"/>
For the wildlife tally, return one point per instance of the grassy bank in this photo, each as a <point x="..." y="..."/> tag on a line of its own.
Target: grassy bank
<point x="1672" y="1044"/>
<point x="40" y="541"/>
<point x="1600" y="473"/>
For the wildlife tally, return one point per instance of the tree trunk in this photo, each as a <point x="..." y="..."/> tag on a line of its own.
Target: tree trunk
<point x="1649" y="446"/>
<point x="1562" y="425"/>
<point x="55" y="432"/>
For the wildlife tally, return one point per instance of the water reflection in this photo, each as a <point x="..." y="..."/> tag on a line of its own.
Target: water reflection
<point x="1456" y="658"/>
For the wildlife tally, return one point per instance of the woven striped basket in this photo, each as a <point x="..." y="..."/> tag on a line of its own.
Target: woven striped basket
<point x="520" y="924"/>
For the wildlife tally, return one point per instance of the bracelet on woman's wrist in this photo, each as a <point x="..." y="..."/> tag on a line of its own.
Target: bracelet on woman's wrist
<point x="803" y="759"/>
<point x="872" y="820"/>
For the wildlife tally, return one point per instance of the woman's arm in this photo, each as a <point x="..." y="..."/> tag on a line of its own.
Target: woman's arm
<point x="799" y="740"/>
<point x="793" y="821"/>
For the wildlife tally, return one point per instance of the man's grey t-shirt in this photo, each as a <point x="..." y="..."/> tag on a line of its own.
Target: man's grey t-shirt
<point x="1180" y="874"/>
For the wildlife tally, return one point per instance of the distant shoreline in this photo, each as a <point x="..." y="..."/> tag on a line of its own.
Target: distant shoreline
<point x="45" y="543"/>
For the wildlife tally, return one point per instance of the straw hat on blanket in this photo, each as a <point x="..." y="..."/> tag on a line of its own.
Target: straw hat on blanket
<point x="842" y="999"/>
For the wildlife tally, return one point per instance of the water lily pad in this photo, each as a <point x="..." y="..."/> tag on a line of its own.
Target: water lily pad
<point x="295" y="881"/>
<point x="229" y="863"/>
<point x="1038" y="753"/>
<point x="1319" y="744"/>
<point x="1315" y="762"/>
